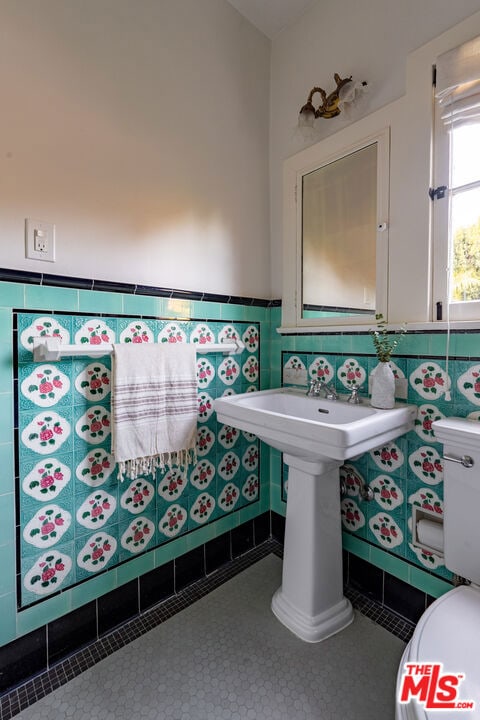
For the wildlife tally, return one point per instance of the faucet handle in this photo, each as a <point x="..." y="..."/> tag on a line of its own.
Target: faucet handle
<point x="354" y="397"/>
<point x="312" y="387"/>
<point x="329" y="390"/>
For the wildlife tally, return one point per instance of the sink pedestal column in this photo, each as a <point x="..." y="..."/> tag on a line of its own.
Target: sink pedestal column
<point x="310" y="601"/>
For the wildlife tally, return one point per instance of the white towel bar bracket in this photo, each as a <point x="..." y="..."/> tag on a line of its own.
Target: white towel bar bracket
<point x="52" y="349"/>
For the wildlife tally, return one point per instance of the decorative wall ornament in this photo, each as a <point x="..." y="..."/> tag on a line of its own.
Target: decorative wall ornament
<point x="93" y="382"/>
<point x="430" y="381"/>
<point x="94" y="332"/>
<point x="46" y="480"/>
<point x="138" y="534"/>
<point x="45" y="386"/>
<point x="97" y="552"/>
<point x="137" y="496"/>
<point x="386" y="492"/>
<point x="427" y="464"/>
<point x="172" y="484"/>
<point x="48" y="573"/>
<point x="352" y="517"/>
<point x="426" y="415"/>
<point x="46" y="433"/>
<point x="386" y="530"/>
<point x="173" y="520"/>
<point x="202" y="508"/>
<point x="96" y="467"/>
<point x="47" y="526"/>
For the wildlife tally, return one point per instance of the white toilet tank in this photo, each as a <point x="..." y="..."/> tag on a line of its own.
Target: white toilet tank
<point x="461" y="442"/>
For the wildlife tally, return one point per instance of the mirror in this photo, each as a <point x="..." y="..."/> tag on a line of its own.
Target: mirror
<point x="339" y="231"/>
<point x="337" y="273"/>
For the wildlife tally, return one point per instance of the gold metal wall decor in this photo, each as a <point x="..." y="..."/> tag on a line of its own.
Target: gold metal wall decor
<point x="332" y="103"/>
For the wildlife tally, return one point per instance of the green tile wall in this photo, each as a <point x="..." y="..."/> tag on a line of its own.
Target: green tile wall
<point x="407" y="471"/>
<point x="417" y="349"/>
<point x="72" y="307"/>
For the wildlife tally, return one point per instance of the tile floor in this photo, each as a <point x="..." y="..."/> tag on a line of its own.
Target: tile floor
<point x="226" y="657"/>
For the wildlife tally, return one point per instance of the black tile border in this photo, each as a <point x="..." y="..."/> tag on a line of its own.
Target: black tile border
<point x="322" y="331"/>
<point x="18" y="699"/>
<point x="66" y="281"/>
<point x="386" y="618"/>
<point x="405" y="356"/>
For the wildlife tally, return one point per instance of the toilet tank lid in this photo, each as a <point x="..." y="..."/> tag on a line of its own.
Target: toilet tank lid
<point x="448" y="633"/>
<point x="458" y="431"/>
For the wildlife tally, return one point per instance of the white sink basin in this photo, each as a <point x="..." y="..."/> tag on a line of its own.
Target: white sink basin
<point x="314" y="428"/>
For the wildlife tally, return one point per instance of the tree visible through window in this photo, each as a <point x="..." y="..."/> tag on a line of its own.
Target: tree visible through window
<point x="465" y="213"/>
<point x="466" y="263"/>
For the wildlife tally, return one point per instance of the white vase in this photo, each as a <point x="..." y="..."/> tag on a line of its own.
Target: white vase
<point x="383" y="387"/>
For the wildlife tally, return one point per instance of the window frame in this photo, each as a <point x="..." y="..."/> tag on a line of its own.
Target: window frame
<point x="442" y="249"/>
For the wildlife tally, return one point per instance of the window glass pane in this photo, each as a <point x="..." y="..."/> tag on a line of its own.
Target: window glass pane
<point x="465" y="154"/>
<point x="465" y="282"/>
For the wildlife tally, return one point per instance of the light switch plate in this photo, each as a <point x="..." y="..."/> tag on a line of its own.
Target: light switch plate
<point x="39" y="240"/>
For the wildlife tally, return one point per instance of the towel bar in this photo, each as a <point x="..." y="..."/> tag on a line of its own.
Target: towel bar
<point x="52" y="349"/>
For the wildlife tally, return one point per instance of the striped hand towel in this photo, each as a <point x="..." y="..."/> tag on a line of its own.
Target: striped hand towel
<point x="154" y="407"/>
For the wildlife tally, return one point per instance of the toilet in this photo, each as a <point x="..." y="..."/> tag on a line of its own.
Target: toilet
<point x="449" y="630"/>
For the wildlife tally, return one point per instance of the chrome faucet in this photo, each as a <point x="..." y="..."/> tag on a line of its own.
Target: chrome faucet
<point x="317" y="386"/>
<point x="354" y="398"/>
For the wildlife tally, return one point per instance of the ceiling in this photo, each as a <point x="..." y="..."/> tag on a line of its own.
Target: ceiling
<point x="271" y="16"/>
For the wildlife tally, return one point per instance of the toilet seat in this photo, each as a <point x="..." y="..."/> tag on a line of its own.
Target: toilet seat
<point x="448" y="632"/>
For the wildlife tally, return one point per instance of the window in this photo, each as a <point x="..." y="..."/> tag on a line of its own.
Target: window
<point x="456" y="217"/>
<point x="465" y="214"/>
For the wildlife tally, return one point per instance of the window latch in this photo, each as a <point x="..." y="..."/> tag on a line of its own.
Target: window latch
<point x="437" y="193"/>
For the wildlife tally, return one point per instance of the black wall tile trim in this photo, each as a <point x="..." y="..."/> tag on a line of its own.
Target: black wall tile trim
<point x="278" y="527"/>
<point x="67" y="282"/>
<point x="108" y="286"/>
<point x="404" y="356"/>
<point x="156" y="585"/>
<point x="34" y="278"/>
<point x="404" y="599"/>
<point x="218" y="552"/>
<point x="70" y="632"/>
<point x="189" y="568"/>
<point x="366" y="578"/>
<point x="242" y="538"/>
<point x="150" y="290"/>
<point x="261" y="528"/>
<point x="23" y="658"/>
<point x="187" y="295"/>
<point x="20" y="276"/>
<point x="117" y="607"/>
<point x="325" y="331"/>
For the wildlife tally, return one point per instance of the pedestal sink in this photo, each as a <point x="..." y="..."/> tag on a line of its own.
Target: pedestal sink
<point x="316" y="437"/>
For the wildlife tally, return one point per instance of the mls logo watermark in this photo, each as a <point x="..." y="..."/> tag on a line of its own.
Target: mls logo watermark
<point x="435" y="690"/>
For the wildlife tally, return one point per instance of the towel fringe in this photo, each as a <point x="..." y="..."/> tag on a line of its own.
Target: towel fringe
<point x="132" y="469"/>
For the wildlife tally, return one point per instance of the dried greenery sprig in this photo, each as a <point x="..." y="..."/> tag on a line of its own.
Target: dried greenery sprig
<point x="385" y="343"/>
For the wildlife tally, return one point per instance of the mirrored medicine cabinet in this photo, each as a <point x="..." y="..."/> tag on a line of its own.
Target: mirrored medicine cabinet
<point x="336" y="232"/>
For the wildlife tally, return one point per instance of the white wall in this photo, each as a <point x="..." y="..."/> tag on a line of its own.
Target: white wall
<point x="372" y="43"/>
<point x="140" y="128"/>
